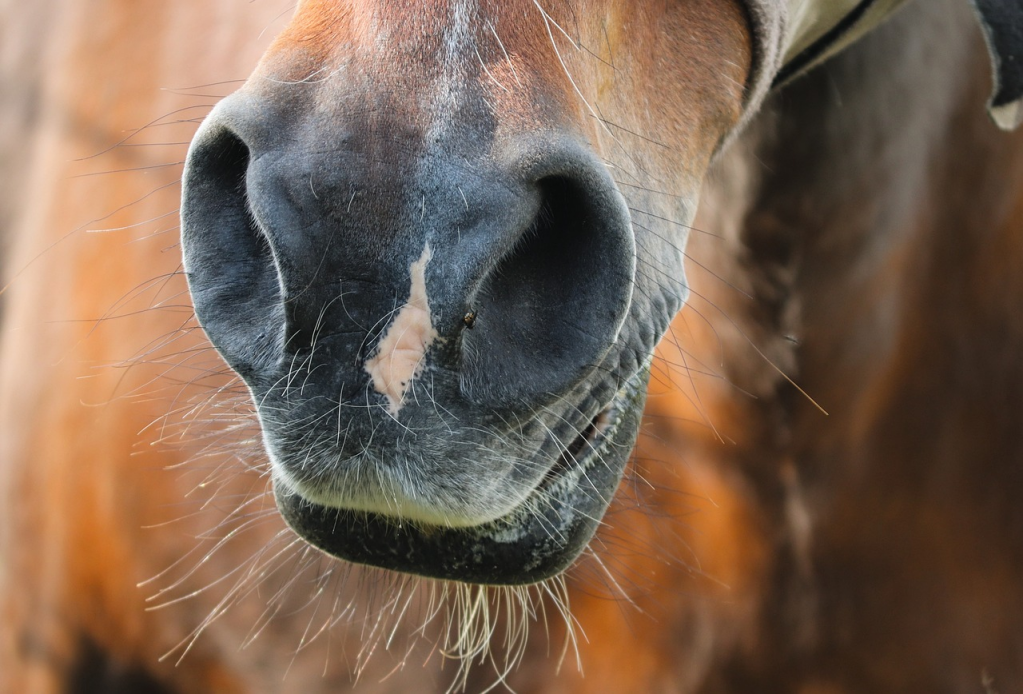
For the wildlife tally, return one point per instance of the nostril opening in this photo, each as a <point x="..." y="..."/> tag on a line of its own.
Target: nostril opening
<point x="229" y="262"/>
<point x="547" y="279"/>
<point x="555" y="303"/>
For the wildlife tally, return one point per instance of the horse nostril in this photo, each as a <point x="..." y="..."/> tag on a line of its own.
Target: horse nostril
<point x="230" y="266"/>
<point x="555" y="304"/>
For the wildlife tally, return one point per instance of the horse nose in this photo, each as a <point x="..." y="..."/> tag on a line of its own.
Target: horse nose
<point x="505" y="260"/>
<point x="549" y="308"/>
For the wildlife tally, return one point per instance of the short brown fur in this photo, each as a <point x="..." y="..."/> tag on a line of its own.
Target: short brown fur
<point x="864" y="242"/>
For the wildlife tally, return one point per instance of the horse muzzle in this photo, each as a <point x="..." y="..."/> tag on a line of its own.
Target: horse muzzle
<point x="427" y="313"/>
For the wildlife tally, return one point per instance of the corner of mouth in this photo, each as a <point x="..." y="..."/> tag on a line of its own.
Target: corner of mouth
<point x="584" y="448"/>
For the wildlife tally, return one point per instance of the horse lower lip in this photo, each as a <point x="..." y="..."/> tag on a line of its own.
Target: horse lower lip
<point x="537" y="540"/>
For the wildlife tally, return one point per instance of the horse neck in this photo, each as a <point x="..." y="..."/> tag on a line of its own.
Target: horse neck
<point x="855" y="210"/>
<point x="872" y="238"/>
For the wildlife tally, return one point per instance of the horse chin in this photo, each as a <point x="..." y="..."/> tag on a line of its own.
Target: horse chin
<point x="538" y="539"/>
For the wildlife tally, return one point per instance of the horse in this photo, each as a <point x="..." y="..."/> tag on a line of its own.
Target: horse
<point x="382" y="397"/>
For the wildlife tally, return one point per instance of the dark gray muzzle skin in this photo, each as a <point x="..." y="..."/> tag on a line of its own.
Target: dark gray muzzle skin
<point x="299" y="229"/>
<point x="532" y="544"/>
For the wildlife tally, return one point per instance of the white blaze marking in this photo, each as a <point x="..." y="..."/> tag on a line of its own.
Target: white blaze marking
<point x="402" y="350"/>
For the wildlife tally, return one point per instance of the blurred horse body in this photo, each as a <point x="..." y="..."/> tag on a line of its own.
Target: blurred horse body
<point x="865" y="235"/>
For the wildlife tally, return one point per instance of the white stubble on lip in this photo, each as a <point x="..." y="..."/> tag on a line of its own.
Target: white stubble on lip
<point x="402" y="350"/>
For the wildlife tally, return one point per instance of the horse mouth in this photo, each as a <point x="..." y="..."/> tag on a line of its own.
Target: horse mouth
<point x="584" y="449"/>
<point x="538" y="539"/>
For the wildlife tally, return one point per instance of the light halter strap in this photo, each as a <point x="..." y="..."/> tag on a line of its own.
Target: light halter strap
<point x="817" y="29"/>
<point x="792" y="36"/>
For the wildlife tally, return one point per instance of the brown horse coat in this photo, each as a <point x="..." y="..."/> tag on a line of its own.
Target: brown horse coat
<point x="862" y="237"/>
